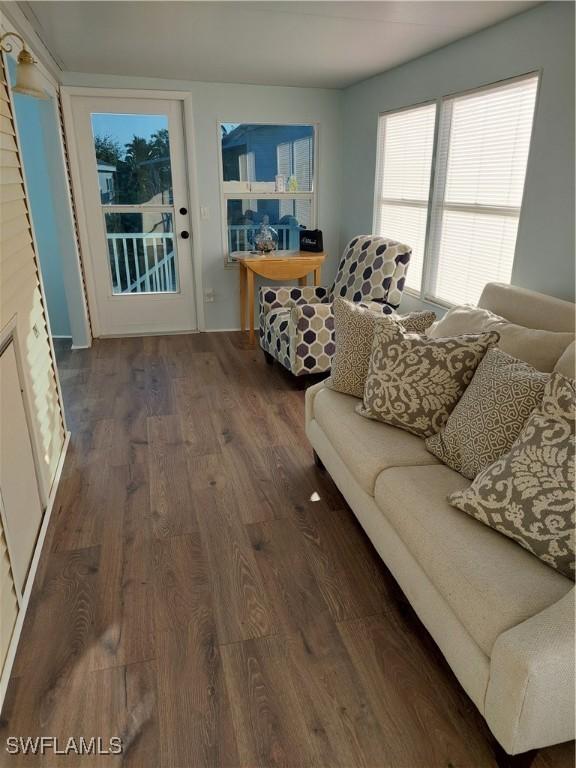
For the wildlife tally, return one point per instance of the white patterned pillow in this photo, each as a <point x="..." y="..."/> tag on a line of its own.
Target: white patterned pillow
<point x="490" y="414"/>
<point x="528" y="494"/>
<point x="354" y="334"/>
<point x="413" y="381"/>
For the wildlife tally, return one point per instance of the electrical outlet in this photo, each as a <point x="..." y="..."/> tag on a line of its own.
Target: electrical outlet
<point x="204" y="213"/>
<point x="209" y="296"/>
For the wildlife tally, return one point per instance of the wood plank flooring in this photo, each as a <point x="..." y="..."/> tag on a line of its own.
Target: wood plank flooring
<point x="193" y="600"/>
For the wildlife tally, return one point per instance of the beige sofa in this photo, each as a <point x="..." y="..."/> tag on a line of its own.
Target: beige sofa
<point x="502" y="618"/>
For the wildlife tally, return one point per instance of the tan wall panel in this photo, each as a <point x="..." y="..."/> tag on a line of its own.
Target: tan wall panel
<point x="8" y="158"/>
<point x="20" y="295"/>
<point x="6" y="125"/>
<point x="8" y="601"/>
<point x="13" y="210"/>
<point x="11" y="228"/>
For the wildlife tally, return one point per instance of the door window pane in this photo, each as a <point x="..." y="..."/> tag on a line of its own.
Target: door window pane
<point x="141" y="252"/>
<point x="133" y="159"/>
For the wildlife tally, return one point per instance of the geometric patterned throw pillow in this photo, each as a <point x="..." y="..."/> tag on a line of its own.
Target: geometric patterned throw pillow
<point x="354" y="335"/>
<point x="528" y="494"/>
<point x="413" y="381"/>
<point x="490" y="414"/>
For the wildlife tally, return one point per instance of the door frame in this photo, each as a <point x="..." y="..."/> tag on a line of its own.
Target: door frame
<point x="185" y="97"/>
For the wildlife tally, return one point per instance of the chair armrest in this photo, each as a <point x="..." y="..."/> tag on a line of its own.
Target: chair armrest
<point x="285" y="296"/>
<point x="530" y="696"/>
<point x="311" y="338"/>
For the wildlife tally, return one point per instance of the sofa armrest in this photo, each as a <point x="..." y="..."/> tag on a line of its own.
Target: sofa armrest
<point x="311" y="393"/>
<point x="530" y="695"/>
<point x="311" y="338"/>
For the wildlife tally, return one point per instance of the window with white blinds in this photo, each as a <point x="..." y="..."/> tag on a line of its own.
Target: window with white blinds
<point x="479" y="168"/>
<point x="482" y="155"/>
<point x="404" y="165"/>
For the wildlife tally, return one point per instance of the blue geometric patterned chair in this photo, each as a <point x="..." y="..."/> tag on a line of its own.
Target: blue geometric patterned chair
<point x="297" y="324"/>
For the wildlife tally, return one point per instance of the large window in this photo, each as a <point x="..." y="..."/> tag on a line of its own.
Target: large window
<point x="464" y="234"/>
<point x="268" y="176"/>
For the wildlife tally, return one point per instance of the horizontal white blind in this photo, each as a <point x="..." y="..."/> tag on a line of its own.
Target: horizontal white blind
<point x="303" y="163"/>
<point x="405" y="147"/>
<point x="483" y="146"/>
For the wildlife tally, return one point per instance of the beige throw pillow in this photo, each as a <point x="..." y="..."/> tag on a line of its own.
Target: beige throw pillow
<point x="414" y="382"/>
<point x="462" y="320"/>
<point x="542" y="349"/>
<point x="528" y="494"/>
<point x="354" y="332"/>
<point x="490" y="414"/>
<point x="566" y="365"/>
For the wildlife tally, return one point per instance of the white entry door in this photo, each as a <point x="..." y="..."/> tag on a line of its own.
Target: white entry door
<point x="133" y="177"/>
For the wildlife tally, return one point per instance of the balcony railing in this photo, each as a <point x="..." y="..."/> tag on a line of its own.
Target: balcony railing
<point x="240" y="236"/>
<point x="142" y="262"/>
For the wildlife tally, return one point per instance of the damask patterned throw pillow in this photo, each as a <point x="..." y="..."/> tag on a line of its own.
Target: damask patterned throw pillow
<point x="490" y="414"/>
<point x="354" y="333"/>
<point x="413" y="381"/>
<point x="528" y="494"/>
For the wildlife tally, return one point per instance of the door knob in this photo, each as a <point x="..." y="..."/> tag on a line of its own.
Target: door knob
<point x="184" y="234"/>
<point x="183" y="211"/>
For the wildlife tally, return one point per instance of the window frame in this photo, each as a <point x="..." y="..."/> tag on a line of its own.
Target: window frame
<point x="436" y="204"/>
<point x="225" y="196"/>
<point x="378" y="199"/>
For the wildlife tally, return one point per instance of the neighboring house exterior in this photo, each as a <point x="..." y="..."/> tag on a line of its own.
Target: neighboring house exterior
<point x="106" y="174"/>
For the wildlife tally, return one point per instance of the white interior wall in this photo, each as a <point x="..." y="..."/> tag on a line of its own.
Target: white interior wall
<point x="540" y="39"/>
<point x="214" y="102"/>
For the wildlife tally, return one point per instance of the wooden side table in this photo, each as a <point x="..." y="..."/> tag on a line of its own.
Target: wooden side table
<point x="279" y="265"/>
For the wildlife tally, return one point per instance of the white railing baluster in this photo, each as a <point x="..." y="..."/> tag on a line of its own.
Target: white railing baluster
<point x="116" y="278"/>
<point x="167" y="280"/>
<point x="136" y="266"/>
<point x="127" y="268"/>
<point x="155" y="273"/>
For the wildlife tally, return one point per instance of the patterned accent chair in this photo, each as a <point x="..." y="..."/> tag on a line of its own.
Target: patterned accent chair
<point x="297" y="324"/>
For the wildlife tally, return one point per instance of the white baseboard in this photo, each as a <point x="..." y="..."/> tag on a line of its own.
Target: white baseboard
<point x="80" y="346"/>
<point x="13" y="647"/>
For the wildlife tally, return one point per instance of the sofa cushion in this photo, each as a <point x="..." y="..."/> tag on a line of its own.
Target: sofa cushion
<point x="541" y="349"/>
<point x="366" y="447"/>
<point x="566" y="365"/>
<point x="490" y="582"/>
<point x="490" y="414"/>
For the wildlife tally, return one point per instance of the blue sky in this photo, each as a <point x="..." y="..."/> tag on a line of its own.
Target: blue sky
<point x="124" y="127"/>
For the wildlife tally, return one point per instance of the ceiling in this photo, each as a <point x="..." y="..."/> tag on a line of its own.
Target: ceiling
<point x="312" y="44"/>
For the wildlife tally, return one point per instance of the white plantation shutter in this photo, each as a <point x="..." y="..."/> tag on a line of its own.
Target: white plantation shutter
<point x="482" y="155"/>
<point x="405" y="148"/>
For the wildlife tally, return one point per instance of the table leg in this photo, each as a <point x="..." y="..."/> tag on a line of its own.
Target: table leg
<point x="317" y="276"/>
<point x="250" y="278"/>
<point x="243" y="271"/>
<point x="303" y="281"/>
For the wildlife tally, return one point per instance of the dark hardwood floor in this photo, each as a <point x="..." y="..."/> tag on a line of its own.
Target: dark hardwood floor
<point x="194" y="600"/>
